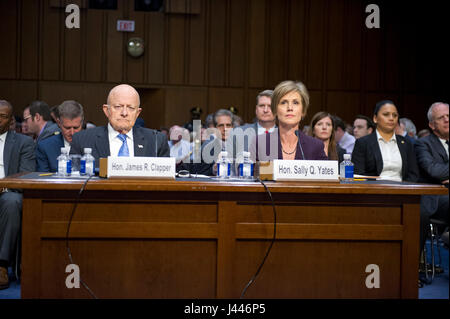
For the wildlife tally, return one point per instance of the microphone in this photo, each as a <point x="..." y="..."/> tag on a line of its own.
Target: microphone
<point x="156" y="142"/>
<point x="300" y="144"/>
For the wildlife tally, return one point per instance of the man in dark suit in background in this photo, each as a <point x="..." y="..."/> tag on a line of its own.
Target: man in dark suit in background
<point x="16" y="155"/>
<point x="39" y="121"/>
<point x="432" y="157"/>
<point x="265" y="120"/>
<point x="70" y="121"/>
<point x="119" y="137"/>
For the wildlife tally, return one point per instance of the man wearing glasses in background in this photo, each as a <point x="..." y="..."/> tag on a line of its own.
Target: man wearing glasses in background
<point x="39" y="121"/>
<point x="120" y="137"/>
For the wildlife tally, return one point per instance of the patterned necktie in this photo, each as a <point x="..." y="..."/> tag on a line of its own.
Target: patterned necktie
<point x="124" y="148"/>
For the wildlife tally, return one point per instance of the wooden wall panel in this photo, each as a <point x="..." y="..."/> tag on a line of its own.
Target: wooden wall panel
<point x="153" y="107"/>
<point x="51" y="44"/>
<point x="391" y="52"/>
<point x="220" y="98"/>
<point x="135" y="67"/>
<point x="343" y="104"/>
<point x="217" y="42"/>
<point x="115" y="45"/>
<point x="29" y="55"/>
<point x="90" y="96"/>
<point x="154" y="49"/>
<point x="316" y="65"/>
<point x="18" y="93"/>
<point x="73" y="44"/>
<point x="315" y="105"/>
<point x="10" y="39"/>
<point x="297" y="40"/>
<point x="278" y="36"/>
<point x="197" y="65"/>
<point x="237" y="43"/>
<point x="95" y="41"/>
<point x="229" y="50"/>
<point x="257" y="43"/>
<point x="179" y="102"/>
<point x="336" y="45"/>
<point x="176" y="49"/>
<point x="353" y="44"/>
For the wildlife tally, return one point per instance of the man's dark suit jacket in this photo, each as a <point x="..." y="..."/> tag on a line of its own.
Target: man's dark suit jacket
<point x="433" y="163"/>
<point x="18" y="154"/>
<point x="432" y="159"/>
<point x="49" y="130"/>
<point x="46" y="153"/>
<point x="368" y="160"/>
<point x="147" y="142"/>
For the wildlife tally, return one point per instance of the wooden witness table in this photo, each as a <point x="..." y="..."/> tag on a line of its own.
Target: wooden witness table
<point x="136" y="238"/>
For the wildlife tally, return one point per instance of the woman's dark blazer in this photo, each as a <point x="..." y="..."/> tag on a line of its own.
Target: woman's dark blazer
<point x="368" y="161"/>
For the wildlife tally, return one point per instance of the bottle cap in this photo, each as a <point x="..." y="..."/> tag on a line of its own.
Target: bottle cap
<point x="87" y="150"/>
<point x="347" y="156"/>
<point x="223" y="154"/>
<point x="246" y="154"/>
<point x="63" y="149"/>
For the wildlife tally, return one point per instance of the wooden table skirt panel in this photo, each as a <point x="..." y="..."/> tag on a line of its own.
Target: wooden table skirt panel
<point x="171" y="239"/>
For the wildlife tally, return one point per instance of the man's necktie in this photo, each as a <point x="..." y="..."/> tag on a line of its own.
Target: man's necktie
<point x="124" y="148"/>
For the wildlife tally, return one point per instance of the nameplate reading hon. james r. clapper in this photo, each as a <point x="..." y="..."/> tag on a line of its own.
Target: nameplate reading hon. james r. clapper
<point x="141" y="167"/>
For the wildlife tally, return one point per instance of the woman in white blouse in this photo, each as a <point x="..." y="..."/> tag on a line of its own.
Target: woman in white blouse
<point x="384" y="154"/>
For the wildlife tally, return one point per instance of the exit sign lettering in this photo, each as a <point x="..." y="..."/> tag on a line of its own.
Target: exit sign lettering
<point x="125" y="25"/>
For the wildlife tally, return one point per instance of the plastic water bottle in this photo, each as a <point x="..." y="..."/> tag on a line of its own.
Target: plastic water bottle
<point x="246" y="168"/>
<point x="223" y="165"/>
<point x="64" y="163"/>
<point x="346" y="168"/>
<point x="87" y="163"/>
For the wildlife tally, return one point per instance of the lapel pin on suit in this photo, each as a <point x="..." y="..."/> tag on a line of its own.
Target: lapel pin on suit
<point x="403" y="142"/>
<point x="140" y="146"/>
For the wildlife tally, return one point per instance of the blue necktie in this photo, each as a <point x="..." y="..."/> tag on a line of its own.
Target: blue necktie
<point x="124" y="148"/>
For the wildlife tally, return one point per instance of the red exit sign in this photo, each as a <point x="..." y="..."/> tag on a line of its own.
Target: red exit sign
<point x="125" y="25"/>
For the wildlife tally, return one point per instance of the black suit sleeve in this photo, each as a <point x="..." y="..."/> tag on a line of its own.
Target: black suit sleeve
<point x="163" y="146"/>
<point x="359" y="157"/>
<point x="75" y="146"/>
<point x="438" y="171"/>
<point x="412" y="174"/>
<point x="27" y="160"/>
<point x="41" y="160"/>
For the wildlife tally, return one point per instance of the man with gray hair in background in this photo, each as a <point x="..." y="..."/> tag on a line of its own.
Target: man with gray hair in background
<point x="407" y="129"/>
<point x="432" y="153"/>
<point x="70" y="121"/>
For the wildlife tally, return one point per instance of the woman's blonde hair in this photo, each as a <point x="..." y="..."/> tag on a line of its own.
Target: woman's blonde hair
<point x="286" y="87"/>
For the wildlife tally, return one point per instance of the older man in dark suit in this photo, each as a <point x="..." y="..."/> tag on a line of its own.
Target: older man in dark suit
<point x="432" y="157"/>
<point x="119" y="137"/>
<point x="16" y="155"/>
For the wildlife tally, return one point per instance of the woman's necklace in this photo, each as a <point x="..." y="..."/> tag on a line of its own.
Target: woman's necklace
<point x="289" y="153"/>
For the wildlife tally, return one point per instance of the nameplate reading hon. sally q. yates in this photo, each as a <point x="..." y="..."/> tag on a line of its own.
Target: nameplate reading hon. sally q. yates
<point x="138" y="167"/>
<point x="299" y="170"/>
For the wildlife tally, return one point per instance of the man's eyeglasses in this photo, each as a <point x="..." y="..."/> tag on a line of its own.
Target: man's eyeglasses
<point x="27" y="117"/>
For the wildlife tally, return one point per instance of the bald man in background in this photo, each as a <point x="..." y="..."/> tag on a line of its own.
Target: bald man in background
<point x="120" y="137"/>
